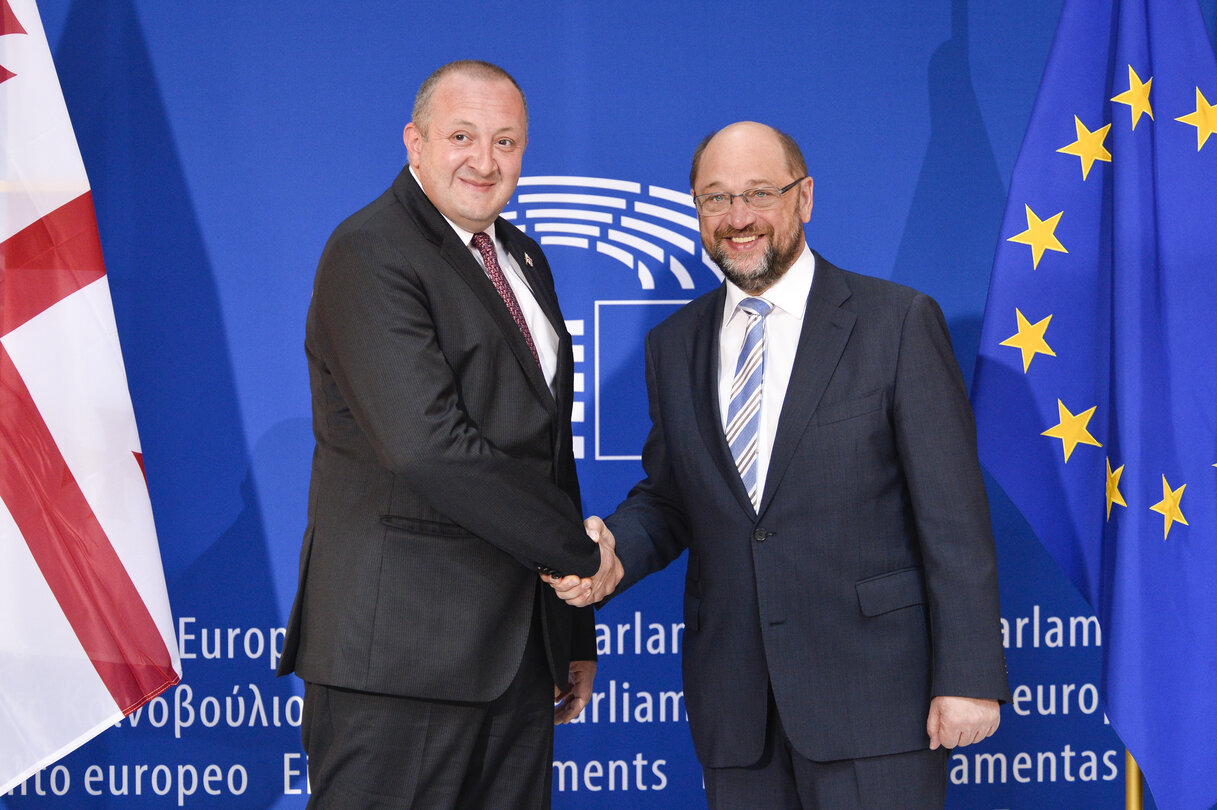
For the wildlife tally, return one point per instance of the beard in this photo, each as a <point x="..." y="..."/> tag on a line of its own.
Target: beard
<point x="757" y="275"/>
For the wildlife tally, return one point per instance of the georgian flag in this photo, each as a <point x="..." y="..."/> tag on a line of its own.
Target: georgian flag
<point x="86" y="636"/>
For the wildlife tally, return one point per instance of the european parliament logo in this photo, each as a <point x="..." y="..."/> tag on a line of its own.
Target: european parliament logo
<point x="624" y="256"/>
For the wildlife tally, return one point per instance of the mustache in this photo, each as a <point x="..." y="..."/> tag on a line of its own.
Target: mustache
<point x="726" y="232"/>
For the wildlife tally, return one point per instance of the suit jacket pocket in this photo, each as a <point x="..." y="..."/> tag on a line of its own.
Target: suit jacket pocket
<point x="890" y="591"/>
<point x="831" y="412"/>
<point x="435" y="528"/>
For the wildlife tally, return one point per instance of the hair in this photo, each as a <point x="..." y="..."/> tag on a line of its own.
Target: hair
<point x="474" y="68"/>
<point x="794" y="155"/>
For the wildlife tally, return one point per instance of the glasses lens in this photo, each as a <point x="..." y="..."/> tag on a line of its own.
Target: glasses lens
<point x="714" y="203"/>
<point x="760" y="199"/>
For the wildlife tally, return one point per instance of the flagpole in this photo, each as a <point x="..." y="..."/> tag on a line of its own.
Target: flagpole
<point x="1134" y="798"/>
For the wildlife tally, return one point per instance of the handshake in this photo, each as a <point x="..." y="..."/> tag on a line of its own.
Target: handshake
<point x="584" y="591"/>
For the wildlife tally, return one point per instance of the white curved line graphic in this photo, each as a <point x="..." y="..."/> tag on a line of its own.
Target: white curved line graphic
<point x="569" y="241"/>
<point x="682" y="197"/>
<point x="682" y="242"/>
<point x="668" y="214"/>
<point x="617" y="253"/>
<point x="649" y="248"/>
<point x="644" y="276"/>
<point x="566" y="227"/>
<point x="589" y="182"/>
<point x="680" y="272"/>
<point x="564" y="213"/>
<point x="662" y="228"/>
<point x="574" y="199"/>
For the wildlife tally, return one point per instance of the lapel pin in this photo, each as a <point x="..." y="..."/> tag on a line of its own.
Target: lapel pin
<point x="528" y="260"/>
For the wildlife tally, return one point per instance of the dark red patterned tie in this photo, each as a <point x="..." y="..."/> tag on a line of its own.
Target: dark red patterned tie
<point x="485" y="246"/>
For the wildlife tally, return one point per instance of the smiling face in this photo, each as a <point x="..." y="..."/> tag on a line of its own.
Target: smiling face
<point x="468" y="159"/>
<point x="753" y="248"/>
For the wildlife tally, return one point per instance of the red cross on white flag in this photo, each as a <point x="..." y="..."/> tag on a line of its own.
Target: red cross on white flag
<point x="86" y="635"/>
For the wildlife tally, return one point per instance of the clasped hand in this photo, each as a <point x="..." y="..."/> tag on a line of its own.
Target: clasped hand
<point x="584" y="591"/>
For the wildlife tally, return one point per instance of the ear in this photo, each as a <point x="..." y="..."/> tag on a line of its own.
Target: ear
<point x="805" y="199"/>
<point x="413" y="138"/>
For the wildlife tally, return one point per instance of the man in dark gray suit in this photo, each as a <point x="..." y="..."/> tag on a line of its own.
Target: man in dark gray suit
<point x="443" y="480"/>
<point x="813" y="449"/>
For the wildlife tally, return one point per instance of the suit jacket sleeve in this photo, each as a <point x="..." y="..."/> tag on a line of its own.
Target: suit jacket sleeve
<point x="936" y="438"/>
<point x="380" y="331"/>
<point x="649" y="526"/>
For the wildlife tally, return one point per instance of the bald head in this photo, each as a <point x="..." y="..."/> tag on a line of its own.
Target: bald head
<point x="749" y="137"/>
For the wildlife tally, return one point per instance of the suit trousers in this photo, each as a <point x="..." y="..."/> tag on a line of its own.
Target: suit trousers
<point x="784" y="780"/>
<point x="371" y="751"/>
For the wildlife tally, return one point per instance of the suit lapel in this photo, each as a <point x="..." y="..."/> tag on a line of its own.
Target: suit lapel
<point x="542" y="291"/>
<point x="528" y="267"/>
<point x="457" y="255"/>
<point x="703" y="371"/>
<point x="826" y="330"/>
<point x="541" y="283"/>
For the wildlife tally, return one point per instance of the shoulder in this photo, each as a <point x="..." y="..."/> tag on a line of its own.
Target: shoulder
<point x="870" y="290"/>
<point x="385" y="216"/>
<point x="875" y="296"/>
<point x="376" y="247"/>
<point x="678" y="333"/>
<point x="701" y="312"/>
<point x="384" y="230"/>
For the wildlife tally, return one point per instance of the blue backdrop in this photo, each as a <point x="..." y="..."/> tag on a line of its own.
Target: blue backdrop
<point x="224" y="141"/>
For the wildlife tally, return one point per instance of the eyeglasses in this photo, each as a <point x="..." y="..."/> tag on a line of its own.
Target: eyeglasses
<point x="757" y="199"/>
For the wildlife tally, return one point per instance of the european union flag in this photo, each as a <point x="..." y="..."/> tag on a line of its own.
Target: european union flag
<point x="1096" y="384"/>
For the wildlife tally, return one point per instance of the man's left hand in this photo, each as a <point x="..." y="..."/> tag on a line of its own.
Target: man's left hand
<point x="959" y="721"/>
<point x="568" y="704"/>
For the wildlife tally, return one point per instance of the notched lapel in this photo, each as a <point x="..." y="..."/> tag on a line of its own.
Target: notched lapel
<point x="458" y="255"/>
<point x="541" y="287"/>
<point x="826" y="331"/>
<point x="542" y="291"/>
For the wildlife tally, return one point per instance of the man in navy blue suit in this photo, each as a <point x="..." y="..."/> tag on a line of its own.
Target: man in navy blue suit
<point x="813" y="449"/>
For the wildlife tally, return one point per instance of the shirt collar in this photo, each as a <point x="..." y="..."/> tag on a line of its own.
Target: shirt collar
<point x="788" y="294"/>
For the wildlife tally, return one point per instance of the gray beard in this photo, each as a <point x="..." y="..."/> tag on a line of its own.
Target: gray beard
<point x="771" y="268"/>
<point x="765" y="276"/>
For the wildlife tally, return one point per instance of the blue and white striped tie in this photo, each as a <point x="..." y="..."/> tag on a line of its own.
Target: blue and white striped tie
<point x="744" y="410"/>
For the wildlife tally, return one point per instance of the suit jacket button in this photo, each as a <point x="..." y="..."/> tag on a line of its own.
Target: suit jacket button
<point x="759" y="535"/>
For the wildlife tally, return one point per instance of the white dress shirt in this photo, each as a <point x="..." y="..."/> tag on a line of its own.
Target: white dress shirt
<point x="544" y="337"/>
<point x="783" y="325"/>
